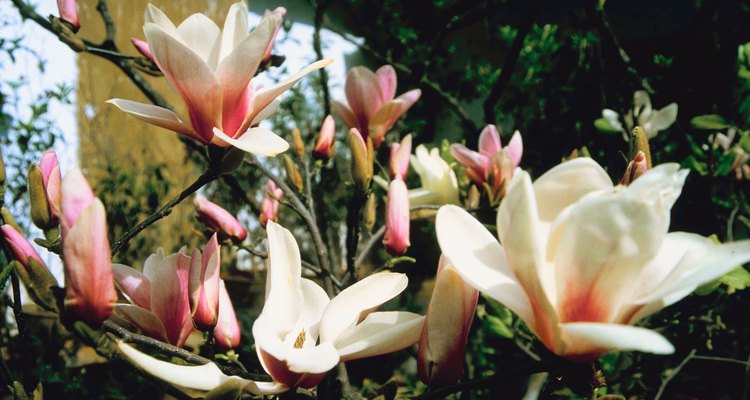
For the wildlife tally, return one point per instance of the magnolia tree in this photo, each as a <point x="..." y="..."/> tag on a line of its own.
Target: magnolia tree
<point x="570" y="261"/>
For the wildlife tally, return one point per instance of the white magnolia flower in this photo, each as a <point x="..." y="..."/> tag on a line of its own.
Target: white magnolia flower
<point x="642" y="114"/>
<point x="439" y="183"/>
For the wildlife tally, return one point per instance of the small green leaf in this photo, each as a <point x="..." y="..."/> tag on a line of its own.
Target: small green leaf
<point x="736" y="279"/>
<point x="711" y="122"/>
<point x="498" y="327"/>
<point x="604" y="126"/>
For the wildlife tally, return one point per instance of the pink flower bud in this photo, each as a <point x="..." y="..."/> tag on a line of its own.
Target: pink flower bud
<point x="227" y="330"/>
<point x="278" y="11"/>
<point x="440" y="358"/>
<point x="89" y="289"/>
<point x="324" y="143"/>
<point x="636" y="167"/>
<point x="19" y="246"/>
<point x="69" y="13"/>
<point x="52" y="180"/>
<point x="219" y="219"/>
<point x="269" y="207"/>
<point x="400" y="154"/>
<point x="203" y="285"/>
<point x="396" y="239"/>
<point x="143" y="48"/>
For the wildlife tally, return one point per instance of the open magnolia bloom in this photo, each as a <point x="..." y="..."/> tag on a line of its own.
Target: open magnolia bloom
<point x="439" y="183"/>
<point x="642" y="114"/>
<point x="580" y="260"/>
<point x="212" y="69"/>
<point x="301" y="334"/>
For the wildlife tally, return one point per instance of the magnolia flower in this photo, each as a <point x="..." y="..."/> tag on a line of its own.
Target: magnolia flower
<point x="50" y="168"/>
<point x="280" y="11"/>
<point x="489" y="166"/>
<point x="19" y="246"/>
<point x="212" y="69"/>
<point x="160" y="298"/>
<point x="227" y="330"/>
<point x="69" y="13"/>
<point x="89" y="291"/>
<point x="219" y="219"/>
<point x="269" y="206"/>
<point x="580" y="260"/>
<point x="643" y="115"/>
<point x="440" y="359"/>
<point x="203" y="285"/>
<point x="324" y="143"/>
<point x="301" y="334"/>
<point x="396" y="239"/>
<point x="399" y="162"/>
<point x="439" y="184"/>
<point x="372" y="107"/>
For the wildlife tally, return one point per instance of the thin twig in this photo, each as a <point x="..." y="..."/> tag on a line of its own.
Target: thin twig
<point x="317" y="46"/>
<point x="371" y="242"/>
<point x="673" y="373"/>
<point x="165" y="210"/>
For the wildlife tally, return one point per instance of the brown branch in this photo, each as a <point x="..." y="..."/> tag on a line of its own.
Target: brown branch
<point x="317" y="46"/>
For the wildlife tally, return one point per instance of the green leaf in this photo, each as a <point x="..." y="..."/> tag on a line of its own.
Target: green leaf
<point x="745" y="143"/>
<point x="604" y="126"/>
<point x="736" y="279"/>
<point x="498" y="327"/>
<point x="711" y="122"/>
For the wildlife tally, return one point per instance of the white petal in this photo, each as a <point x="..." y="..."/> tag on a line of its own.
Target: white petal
<point x="235" y="28"/>
<point x="480" y="259"/>
<point x="202" y="36"/>
<point x="345" y="310"/>
<point x="379" y="333"/>
<point x="283" y="292"/>
<point x="613" y="118"/>
<point x="155" y="115"/>
<point x="256" y="141"/>
<point x="587" y="337"/>
<point x="155" y="15"/>
<point x="566" y="183"/>
<point x="660" y="120"/>
<point x="312" y="360"/>
<point x="266" y="112"/>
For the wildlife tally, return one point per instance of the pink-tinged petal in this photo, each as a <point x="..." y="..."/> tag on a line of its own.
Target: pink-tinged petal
<point x="489" y="141"/>
<point x="69" y="13"/>
<point x="256" y="141"/>
<point x="235" y="29"/>
<point x="586" y="341"/>
<point x="386" y="116"/>
<point x="152" y="263"/>
<point x="440" y="359"/>
<point x="203" y="285"/>
<point x="407" y="100"/>
<point x="143" y="320"/>
<point x="477" y="165"/>
<point x="363" y="95"/>
<point x="19" y="246"/>
<point x="142" y="48"/>
<point x="520" y="232"/>
<point x="75" y="196"/>
<point x="52" y="179"/>
<point x="133" y="284"/>
<point x="170" y="297"/>
<point x="284" y="296"/>
<point x="480" y="260"/>
<point x="396" y="239"/>
<point x="324" y="142"/>
<point x="158" y="116"/>
<point x="278" y="11"/>
<point x="400" y="155"/>
<point x="515" y="148"/>
<point x="235" y="71"/>
<point x="191" y="76"/>
<point x="386" y="76"/>
<point x="155" y="15"/>
<point x="270" y="109"/>
<point x="219" y="219"/>
<point x="227" y="331"/>
<point x="202" y="36"/>
<point x="566" y="183"/>
<point x="269" y="206"/>
<point x="345" y="114"/>
<point x="90" y="292"/>
<point x="354" y="302"/>
<point x="202" y="378"/>
<point x="379" y="333"/>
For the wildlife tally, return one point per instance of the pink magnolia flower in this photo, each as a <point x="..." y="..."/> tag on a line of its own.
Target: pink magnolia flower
<point x="396" y="238"/>
<point x="400" y="153"/>
<point x="324" y="143"/>
<point x="488" y="165"/>
<point x="582" y="260"/>
<point x="372" y="108"/>
<point x="69" y="13"/>
<point x="52" y="180"/>
<point x="89" y="291"/>
<point x="203" y="284"/>
<point x="440" y="358"/>
<point x="269" y="206"/>
<point x="227" y="330"/>
<point x="160" y="298"/>
<point x="212" y="69"/>
<point x="219" y="219"/>
<point x="281" y="12"/>
<point x="142" y="48"/>
<point x="19" y="246"/>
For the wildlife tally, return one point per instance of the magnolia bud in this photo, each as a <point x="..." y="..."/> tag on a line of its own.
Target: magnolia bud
<point x="31" y="269"/>
<point x="641" y="144"/>
<point x="362" y="160"/>
<point x="368" y="218"/>
<point x="2" y="176"/>
<point x="227" y="330"/>
<point x="400" y="153"/>
<point x="636" y="167"/>
<point x="203" y="285"/>
<point x="143" y="48"/>
<point x="396" y="238"/>
<point x="299" y="144"/>
<point x="69" y="13"/>
<point x="269" y="207"/>
<point x="8" y="218"/>
<point x="324" y="143"/>
<point x="41" y="215"/>
<point x="292" y="173"/>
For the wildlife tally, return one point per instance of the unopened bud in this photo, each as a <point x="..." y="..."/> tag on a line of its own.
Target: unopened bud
<point x="324" y="143"/>
<point x="396" y="238"/>
<point x="41" y="215"/>
<point x="143" y="48"/>
<point x="362" y="159"/>
<point x="8" y="218"/>
<point x="68" y="12"/>
<point x="501" y="169"/>
<point x="641" y="144"/>
<point x="292" y="173"/>
<point x="2" y="176"/>
<point x="636" y="167"/>
<point x="299" y="144"/>
<point x="400" y="153"/>
<point x="472" y="201"/>
<point x="368" y="218"/>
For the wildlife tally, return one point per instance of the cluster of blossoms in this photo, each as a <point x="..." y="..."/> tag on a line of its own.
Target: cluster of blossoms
<point x="577" y="258"/>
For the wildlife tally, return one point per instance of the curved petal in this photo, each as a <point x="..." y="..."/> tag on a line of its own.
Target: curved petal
<point x="314" y="304"/>
<point x="363" y="94"/>
<point x="345" y="114"/>
<point x="480" y="259"/>
<point x="170" y="297"/>
<point x="346" y="309"/>
<point x="235" y="29"/>
<point x="155" y="15"/>
<point x="489" y="141"/>
<point x="266" y="112"/>
<point x="660" y="120"/>
<point x="133" y="284"/>
<point x="566" y="183"/>
<point x="379" y="333"/>
<point x="515" y="148"/>
<point x="152" y="263"/>
<point x="386" y="76"/>
<point x="613" y="118"/>
<point x="144" y="320"/>
<point x="201" y="35"/>
<point x="284" y="296"/>
<point x="156" y="115"/>
<point x="587" y="340"/>
<point x="478" y="163"/>
<point x="256" y="141"/>
<point x="191" y="76"/>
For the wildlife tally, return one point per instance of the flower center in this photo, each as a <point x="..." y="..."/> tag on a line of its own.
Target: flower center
<point x="300" y="340"/>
